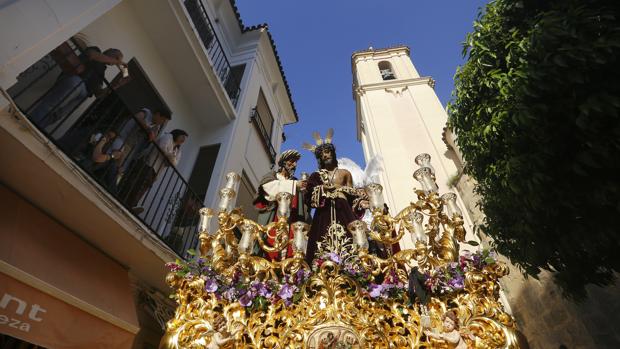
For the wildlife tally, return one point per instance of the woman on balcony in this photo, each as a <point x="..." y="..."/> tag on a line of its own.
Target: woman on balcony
<point x="139" y="178"/>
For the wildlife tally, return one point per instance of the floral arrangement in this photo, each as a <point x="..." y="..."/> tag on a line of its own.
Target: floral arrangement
<point x="451" y="278"/>
<point x="440" y="281"/>
<point x="253" y="294"/>
<point x="389" y="287"/>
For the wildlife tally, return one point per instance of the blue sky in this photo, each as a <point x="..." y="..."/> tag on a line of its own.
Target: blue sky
<point x="315" y="40"/>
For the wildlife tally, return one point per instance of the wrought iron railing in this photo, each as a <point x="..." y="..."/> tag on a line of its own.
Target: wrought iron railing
<point x="106" y="140"/>
<point x="221" y="65"/>
<point x="264" y="134"/>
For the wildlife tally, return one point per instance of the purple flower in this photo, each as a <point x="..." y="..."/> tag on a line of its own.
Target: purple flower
<point x="334" y="257"/>
<point x="211" y="285"/>
<point x="230" y="294"/>
<point x="375" y="290"/>
<point x="476" y="260"/>
<point x="350" y="269"/>
<point x="300" y="276"/>
<point x="246" y="299"/>
<point x="261" y="289"/>
<point x="286" y="291"/>
<point x="457" y="283"/>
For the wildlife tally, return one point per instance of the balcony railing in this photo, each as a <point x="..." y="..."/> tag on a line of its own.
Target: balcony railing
<point x="106" y="140"/>
<point x="264" y="135"/>
<point x="221" y="65"/>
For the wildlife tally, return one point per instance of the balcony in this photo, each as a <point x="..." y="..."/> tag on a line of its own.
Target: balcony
<point x="221" y="65"/>
<point x="102" y="137"/>
<point x="265" y="137"/>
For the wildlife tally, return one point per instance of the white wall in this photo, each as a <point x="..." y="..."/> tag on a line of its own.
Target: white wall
<point x="402" y="118"/>
<point x="246" y="152"/>
<point x="29" y="29"/>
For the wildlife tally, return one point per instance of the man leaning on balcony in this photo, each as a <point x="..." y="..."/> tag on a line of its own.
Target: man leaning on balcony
<point x="75" y="84"/>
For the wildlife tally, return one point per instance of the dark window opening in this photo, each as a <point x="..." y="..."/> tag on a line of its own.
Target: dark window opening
<point x="263" y="121"/>
<point x="203" y="170"/>
<point x="387" y="73"/>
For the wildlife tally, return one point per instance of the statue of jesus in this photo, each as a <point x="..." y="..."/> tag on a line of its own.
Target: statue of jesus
<point x="331" y="193"/>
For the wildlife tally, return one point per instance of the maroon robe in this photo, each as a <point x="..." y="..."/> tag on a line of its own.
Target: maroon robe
<point x="346" y="203"/>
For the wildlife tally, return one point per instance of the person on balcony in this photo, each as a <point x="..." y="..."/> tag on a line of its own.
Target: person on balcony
<point x="134" y="136"/>
<point x="274" y="182"/>
<point x="165" y="151"/>
<point x="103" y="158"/>
<point x="75" y="84"/>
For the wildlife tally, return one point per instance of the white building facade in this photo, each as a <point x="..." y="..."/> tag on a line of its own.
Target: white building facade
<point x="223" y="84"/>
<point x="398" y="117"/>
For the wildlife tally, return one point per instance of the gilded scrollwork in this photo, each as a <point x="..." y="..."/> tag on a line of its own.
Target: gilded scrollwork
<point x="349" y="297"/>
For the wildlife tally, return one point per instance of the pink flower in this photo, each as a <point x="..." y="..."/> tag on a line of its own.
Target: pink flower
<point x="173" y="266"/>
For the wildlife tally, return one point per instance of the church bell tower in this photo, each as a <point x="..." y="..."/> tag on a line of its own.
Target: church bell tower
<point x="398" y="117"/>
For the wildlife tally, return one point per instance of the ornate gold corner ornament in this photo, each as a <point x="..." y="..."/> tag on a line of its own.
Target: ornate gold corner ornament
<point x="228" y="298"/>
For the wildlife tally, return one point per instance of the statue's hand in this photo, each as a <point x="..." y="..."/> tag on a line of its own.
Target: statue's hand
<point x="303" y="185"/>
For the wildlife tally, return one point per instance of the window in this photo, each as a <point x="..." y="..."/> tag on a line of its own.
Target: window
<point x="263" y="121"/>
<point x="264" y="114"/>
<point x="233" y="82"/>
<point x="203" y="169"/>
<point x="387" y="73"/>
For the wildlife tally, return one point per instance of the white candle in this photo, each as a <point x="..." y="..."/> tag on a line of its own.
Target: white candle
<point x="284" y="204"/>
<point x="449" y="199"/>
<point x="300" y="235"/>
<point x="232" y="181"/>
<point x="304" y="247"/>
<point x="375" y="197"/>
<point x="227" y="197"/>
<point x="424" y="160"/>
<point x="416" y="219"/>
<point x="358" y="230"/>
<point x="246" y="244"/>
<point x="206" y="214"/>
<point x="424" y="176"/>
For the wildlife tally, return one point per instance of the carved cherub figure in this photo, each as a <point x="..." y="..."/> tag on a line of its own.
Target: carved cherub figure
<point x="450" y="333"/>
<point x="221" y="336"/>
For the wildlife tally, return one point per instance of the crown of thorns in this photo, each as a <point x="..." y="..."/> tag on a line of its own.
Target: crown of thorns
<point x="320" y="143"/>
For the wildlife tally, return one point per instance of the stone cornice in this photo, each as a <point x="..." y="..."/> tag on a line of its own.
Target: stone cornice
<point x="372" y="51"/>
<point x="394" y="85"/>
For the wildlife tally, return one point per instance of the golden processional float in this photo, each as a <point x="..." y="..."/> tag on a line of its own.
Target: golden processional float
<point x="348" y="298"/>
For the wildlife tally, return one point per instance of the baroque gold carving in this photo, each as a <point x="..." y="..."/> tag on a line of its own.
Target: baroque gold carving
<point x="332" y="307"/>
